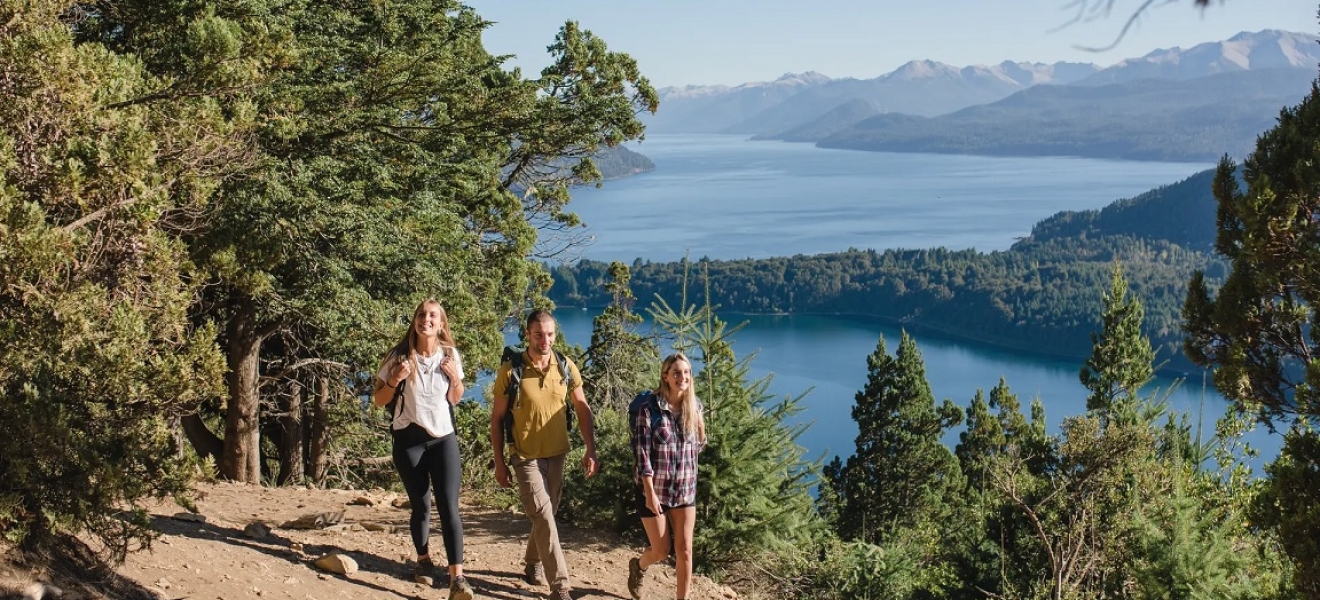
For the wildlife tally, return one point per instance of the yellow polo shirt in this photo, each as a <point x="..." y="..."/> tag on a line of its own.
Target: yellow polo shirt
<point x="540" y="426"/>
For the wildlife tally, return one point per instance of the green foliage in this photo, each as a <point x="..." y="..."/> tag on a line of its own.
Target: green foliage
<point x="97" y="355"/>
<point x="392" y="159"/>
<point x="605" y="501"/>
<point x="1039" y="296"/>
<point x="1259" y="329"/>
<point x="621" y="362"/>
<point x="1182" y="213"/>
<point x="901" y="475"/>
<point x="862" y="571"/>
<point x="618" y="365"/>
<point x="1287" y="505"/>
<point x="1121" y="360"/>
<point x="1190" y="552"/>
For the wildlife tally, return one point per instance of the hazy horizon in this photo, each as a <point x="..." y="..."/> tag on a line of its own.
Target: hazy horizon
<point x="688" y="42"/>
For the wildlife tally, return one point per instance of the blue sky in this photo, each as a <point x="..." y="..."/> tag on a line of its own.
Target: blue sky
<point x="705" y="42"/>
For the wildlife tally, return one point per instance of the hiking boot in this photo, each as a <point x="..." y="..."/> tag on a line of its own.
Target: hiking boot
<point x="534" y="574"/>
<point x="635" y="575"/>
<point x="459" y="589"/>
<point x="560" y="594"/>
<point x="424" y="572"/>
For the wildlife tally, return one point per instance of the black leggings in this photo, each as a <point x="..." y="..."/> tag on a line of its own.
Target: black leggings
<point x="423" y="460"/>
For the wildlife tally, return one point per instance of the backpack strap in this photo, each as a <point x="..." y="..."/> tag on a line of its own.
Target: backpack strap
<point x="567" y="375"/>
<point x="647" y="399"/>
<point x="514" y="357"/>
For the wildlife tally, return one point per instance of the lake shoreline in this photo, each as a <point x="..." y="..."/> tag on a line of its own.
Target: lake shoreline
<point x="944" y="334"/>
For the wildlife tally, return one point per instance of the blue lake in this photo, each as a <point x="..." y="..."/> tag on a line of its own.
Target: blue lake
<point x="722" y="197"/>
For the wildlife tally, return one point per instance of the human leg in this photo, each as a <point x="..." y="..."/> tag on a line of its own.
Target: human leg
<point x="535" y="482"/>
<point x="657" y="535"/>
<point x="445" y="467"/>
<point x="408" y="456"/>
<point x="683" y="521"/>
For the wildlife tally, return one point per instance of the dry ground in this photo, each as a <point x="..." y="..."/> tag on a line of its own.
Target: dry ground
<point x="215" y="559"/>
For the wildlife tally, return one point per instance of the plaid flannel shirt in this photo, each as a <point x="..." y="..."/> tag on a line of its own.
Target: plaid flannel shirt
<point x="666" y="454"/>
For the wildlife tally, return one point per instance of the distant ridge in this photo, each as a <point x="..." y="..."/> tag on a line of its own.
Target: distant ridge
<point x="1269" y="49"/>
<point x="812" y="107"/>
<point x="1193" y="120"/>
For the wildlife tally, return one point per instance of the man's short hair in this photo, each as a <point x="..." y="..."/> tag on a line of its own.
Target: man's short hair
<point x="538" y="315"/>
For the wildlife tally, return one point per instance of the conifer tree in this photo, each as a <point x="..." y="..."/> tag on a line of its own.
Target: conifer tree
<point x="901" y="475"/>
<point x="1258" y="331"/>
<point x="619" y="364"/>
<point x="983" y="439"/>
<point x="100" y="172"/>
<point x="621" y="361"/>
<point x="1121" y="359"/>
<point x="753" y="490"/>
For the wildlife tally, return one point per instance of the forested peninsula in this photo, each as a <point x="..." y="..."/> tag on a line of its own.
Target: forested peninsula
<point x="1038" y="296"/>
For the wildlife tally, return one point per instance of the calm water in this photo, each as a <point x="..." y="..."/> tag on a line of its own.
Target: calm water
<point x="825" y="357"/>
<point x="723" y="197"/>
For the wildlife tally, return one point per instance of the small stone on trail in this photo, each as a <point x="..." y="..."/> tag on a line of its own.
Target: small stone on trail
<point x="337" y="563"/>
<point x="256" y="530"/>
<point x="187" y="516"/>
<point x="362" y="501"/>
<point x="401" y="503"/>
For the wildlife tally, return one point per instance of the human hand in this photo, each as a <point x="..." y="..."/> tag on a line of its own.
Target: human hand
<point x="449" y="367"/>
<point x="502" y="474"/>
<point x="589" y="464"/>
<point x="653" y="504"/>
<point x="401" y="372"/>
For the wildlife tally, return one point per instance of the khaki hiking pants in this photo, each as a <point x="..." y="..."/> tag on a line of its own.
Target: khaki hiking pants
<point x="540" y="484"/>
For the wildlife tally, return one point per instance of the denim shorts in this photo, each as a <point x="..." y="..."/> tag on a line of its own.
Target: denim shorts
<point x="645" y="512"/>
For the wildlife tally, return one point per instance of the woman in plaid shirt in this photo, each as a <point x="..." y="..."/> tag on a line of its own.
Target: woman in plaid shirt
<point x="668" y="432"/>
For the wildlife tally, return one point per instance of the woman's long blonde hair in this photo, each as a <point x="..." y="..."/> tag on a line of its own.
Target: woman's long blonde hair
<point x="694" y="424"/>
<point x="408" y="345"/>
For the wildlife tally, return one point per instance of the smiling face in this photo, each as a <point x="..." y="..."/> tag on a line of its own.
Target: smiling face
<point x="677" y="377"/>
<point x="541" y="336"/>
<point x="428" y="320"/>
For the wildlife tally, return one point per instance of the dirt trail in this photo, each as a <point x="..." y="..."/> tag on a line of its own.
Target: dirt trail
<point x="216" y="559"/>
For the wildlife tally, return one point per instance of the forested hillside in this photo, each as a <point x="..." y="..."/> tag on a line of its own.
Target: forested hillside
<point x="1038" y="296"/>
<point x="1182" y="213"/>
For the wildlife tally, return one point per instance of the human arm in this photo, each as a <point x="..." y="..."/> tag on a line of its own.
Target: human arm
<point x="393" y="372"/>
<point x="587" y="425"/>
<point x="499" y="405"/>
<point x="640" y="441"/>
<point x="452" y="367"/>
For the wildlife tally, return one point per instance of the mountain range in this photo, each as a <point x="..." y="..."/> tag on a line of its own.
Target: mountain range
<point x="1171" y="104"/>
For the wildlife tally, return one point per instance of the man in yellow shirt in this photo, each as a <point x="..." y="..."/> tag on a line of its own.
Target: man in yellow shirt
<point x="540" y="444"/>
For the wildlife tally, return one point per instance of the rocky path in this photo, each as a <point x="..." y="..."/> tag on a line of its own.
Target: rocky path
<point x="223" y="554"/>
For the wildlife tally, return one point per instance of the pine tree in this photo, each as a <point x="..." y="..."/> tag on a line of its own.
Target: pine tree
<point x="1258" y="330"/>
<point x="1121" y="359"/>
<point x="754" y="503"/>
<point x="620" y="362"/>
<point x="901" y="474"/>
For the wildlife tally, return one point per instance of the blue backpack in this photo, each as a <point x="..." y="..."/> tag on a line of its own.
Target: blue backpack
<point x="644" y="399"/>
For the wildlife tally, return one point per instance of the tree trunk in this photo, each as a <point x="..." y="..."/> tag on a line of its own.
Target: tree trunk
<point x="291" y="436"/>
<point x="241" y="460"/>
<point x="320" y="432"/>
<point x="203" y="440"/>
